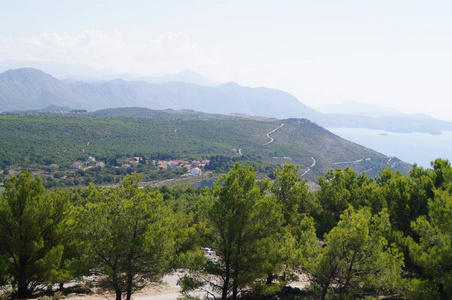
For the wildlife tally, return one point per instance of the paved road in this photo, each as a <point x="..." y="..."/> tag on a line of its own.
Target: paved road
<point x="308" y="169"/>
<point x="268" y="134"/>
<point x="349" y="162"/>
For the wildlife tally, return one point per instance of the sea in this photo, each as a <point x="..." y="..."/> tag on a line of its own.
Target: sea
<point x="419" y="148"/>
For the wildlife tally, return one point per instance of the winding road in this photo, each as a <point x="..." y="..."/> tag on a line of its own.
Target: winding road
<point x="268" y="134"/>
<point x="350" y="162"/>
<point x="309" y="168"/>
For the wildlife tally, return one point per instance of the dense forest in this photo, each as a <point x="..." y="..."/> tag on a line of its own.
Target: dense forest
<point x="36" y="141"/>
<point x="354" y="237"/>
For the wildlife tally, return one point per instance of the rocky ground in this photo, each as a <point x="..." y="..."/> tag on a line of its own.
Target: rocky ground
<point x="167" y="290"/>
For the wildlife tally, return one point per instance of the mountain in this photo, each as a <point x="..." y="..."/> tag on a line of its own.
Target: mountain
<point x="32" y="89"/>
<point x="25" y="89"/>
<point x="85" y="73"/>
<point x="45" y="139"/>
<point x="357" y="108"/>
<point x="186" y="76"/>
<point x="59" y="70"/>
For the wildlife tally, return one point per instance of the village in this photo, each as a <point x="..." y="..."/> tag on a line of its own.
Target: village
<point x="194" y="168"/>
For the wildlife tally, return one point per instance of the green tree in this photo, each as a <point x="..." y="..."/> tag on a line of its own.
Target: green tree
<point x="433" y="251"/>
<point x="442" y="173"/>
<point x="32" y="231"/>
<point x="297" y="204"/>
<point x="338" y="190"/>
<point x="405" y="196"/>
<point x="243" y="224"/>
<point x="73" y="263"/>
<point x="293" y="194"/>
<point x="355" y="256"/>
<point x="128" y="232"/>
<point x="299" y="245"/>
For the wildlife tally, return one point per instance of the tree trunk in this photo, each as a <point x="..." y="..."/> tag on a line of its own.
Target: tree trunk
<point x="227" y="276"/>
<point x="235" y="283"/>
<point x="349" y="274"/>
<point x="129" y="286"/>
<point x="118" y="294"/>
<point x="22" y="290"/>
<point x="22" y="282"/>
<point x="324" y="292"/>
<point x="326" y="284"/>
<point x="269" y="278"/>
<point x="235" y="289"/>
<point x="116" y="287"/>
<point x="130" y="273"/>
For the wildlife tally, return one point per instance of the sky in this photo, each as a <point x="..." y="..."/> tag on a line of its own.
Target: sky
<point x="396" y="54"/>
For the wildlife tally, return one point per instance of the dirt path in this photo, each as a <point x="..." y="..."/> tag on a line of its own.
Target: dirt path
<point x="168" y="290"/>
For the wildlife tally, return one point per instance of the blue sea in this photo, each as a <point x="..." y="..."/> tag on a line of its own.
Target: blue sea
<point x="420" y="148"/>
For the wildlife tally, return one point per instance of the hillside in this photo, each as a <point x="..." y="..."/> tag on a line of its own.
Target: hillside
<point x="28" y="89"/>
<point x="43" y="139"/>
<point x="164" y="114"/>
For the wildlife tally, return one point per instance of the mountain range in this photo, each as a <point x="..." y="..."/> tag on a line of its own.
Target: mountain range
<point x="29" y="88"/>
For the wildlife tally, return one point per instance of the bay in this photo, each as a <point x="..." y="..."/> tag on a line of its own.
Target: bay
<point x="420" y="148"/>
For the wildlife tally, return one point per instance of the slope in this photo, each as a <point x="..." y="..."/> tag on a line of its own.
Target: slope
<point x="41" y="139"/>
<point x="32" y="89"/>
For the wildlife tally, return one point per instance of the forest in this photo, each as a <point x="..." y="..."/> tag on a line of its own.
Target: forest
<point x="355" y="237"/>
<point x="37" y="141"/>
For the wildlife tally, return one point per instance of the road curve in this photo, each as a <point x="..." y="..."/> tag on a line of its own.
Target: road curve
<point x="268" y="134"/>
<point x="308" y="169"/>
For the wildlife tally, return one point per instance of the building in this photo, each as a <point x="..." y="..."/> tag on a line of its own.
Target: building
<point x="76" y="165"/>
<point x="195" y="171"/>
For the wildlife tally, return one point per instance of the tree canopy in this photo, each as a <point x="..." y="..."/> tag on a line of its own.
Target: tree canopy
<point x="32" y="231"/>
<point x="127" y="233"/>
<point x="355" y="236"/>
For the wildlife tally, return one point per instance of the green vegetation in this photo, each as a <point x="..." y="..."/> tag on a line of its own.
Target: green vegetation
<point x="127" y="232"/>
<point x="33" y="142"/>
<point x="356" y="256"/>
<point x="355" y="237"/>
<point x="243" y="224"/>
<point x="33" y="233"/>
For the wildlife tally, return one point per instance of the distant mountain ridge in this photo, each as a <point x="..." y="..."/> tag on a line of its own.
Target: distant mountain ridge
<point x="357" y="108"/>
<point x="31" y="89"/>
<point x="186" y="76"/>
<point x="85" y="73"/>
<point x="365" y="109"/>
<point x="28" y="88"/>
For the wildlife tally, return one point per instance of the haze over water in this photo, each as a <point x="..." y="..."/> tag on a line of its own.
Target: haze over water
<point x="420" y="148"/>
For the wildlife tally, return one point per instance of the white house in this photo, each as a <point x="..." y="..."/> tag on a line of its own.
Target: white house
<point x="195" y="172"/>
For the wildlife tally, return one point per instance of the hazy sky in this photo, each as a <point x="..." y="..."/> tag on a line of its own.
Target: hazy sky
<point x="391" y="53"/>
